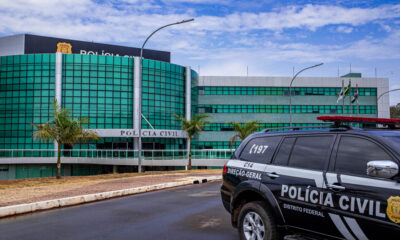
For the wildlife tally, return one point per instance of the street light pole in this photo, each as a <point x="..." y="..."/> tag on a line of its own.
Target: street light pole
<point x="290" y="89"/>
<point x="396" y="89"/>
<point x="139" y="127"/>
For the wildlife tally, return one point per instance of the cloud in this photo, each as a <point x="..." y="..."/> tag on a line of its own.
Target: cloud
<point x="308" y="17"/>
<point x="110" y="21"/>
<point x="344" y="29"/>
<point x="219" y="2"/>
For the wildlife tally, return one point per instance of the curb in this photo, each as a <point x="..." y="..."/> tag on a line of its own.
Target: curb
<point x="70" y="201"/>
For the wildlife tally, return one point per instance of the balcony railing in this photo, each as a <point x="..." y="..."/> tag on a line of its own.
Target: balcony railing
<point x="112" y="153"/>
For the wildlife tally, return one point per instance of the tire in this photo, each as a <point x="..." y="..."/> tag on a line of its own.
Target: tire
<point x="256" y="222"/>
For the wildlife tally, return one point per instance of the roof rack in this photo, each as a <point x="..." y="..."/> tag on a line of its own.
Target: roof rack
<point x="334" y="126"/>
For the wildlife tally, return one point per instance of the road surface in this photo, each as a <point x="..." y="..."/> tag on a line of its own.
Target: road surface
<point x="190" y="212"/>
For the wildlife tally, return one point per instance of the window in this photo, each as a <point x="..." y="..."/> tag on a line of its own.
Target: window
<point x="284" y="152"/>
<point x="280" y="91"/>
<point x="311" y="152"/>
<point x="260" y="150"/>
<point x="354" y="153"/>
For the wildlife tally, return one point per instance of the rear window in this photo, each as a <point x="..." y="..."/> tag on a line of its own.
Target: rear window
<point x="260" y="150"/>
<point x="311" y="152"/>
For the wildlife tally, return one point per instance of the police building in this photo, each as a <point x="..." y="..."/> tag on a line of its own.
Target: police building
<point x="101" y="82"/>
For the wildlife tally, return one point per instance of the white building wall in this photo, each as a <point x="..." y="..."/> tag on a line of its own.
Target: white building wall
<point x="382" y="85"/>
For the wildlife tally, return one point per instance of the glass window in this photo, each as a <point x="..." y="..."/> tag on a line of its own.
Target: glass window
<point x="284" y="152"/>
<point x="311" y="152"/>
<point x="260" y="149"/>
<point x="354" y="153"/>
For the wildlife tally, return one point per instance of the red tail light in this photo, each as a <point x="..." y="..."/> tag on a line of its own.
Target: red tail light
<point x="225" y="170"/>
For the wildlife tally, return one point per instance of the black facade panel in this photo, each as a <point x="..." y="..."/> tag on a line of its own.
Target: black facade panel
<point x="40" y="44"/>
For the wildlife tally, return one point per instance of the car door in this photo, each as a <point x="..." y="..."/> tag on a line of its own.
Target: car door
<point x="296" y="178"/>
<point x="364" y="206"/>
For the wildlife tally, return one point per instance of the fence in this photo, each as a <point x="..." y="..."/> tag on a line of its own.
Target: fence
<point x="110" y="156"/>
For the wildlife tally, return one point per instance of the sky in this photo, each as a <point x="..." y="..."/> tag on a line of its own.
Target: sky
<point x="228" y="37"/>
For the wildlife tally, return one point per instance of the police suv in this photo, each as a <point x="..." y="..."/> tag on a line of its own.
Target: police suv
<point x="334" y="183"/>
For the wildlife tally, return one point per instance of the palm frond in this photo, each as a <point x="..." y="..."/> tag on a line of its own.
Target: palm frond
<point x="243" y="131"/>
<point x="193" y="126"/>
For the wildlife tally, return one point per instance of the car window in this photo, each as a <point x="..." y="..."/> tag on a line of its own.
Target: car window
<point x="282" y="156"/>
<point x="260" y="150"/>
<point x="354" y="153"/>
<point x="311" y="152"/>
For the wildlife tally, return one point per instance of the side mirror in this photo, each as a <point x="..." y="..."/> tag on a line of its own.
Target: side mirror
<point x="382" y="168"/>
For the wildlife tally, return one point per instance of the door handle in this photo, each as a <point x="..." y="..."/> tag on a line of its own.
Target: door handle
<point x="272" y="175"/>
<point x="335" y="187"/>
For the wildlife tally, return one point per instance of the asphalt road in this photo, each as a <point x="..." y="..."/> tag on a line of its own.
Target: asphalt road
<point x="190" y="212"/>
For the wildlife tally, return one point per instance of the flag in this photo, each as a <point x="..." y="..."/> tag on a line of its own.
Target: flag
<point x="343" y="92"/>
<point x="355" y="97"/>
<point x="347" y="89"/>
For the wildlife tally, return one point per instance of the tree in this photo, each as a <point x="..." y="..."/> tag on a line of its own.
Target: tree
<point x="192" y="127"/>
<point x="64" y="130"/>
<point x="242" y="131"/>
<point x="395" y="111"/>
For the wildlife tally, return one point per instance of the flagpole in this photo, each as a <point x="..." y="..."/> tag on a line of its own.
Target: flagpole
<point x="358" y="107"/>
<point x="351" y="110"/>
<point x="344" y="94"/>
<point x="358" y="111"/>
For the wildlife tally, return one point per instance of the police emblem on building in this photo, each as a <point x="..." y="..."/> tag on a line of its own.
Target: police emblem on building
<point x="393" y="209"/>
<point x="64" y="47"/>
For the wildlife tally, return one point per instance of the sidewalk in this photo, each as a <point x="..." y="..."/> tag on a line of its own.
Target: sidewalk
<point x="64" y="189"/>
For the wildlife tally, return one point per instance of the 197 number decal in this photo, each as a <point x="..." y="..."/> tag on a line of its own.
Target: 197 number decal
<point x="258" y="149"/>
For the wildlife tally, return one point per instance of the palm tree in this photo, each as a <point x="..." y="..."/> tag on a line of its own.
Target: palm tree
<point x="242" y="131"/>
<point x="64" y="130"/>
<point x="192" y="127"/>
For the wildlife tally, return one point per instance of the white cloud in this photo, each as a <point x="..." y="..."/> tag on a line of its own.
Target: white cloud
<point x="198" y="1"/>
<point x="344" y="29"/>
<point x="310" y="17"/>
<point x="86" y="19"/>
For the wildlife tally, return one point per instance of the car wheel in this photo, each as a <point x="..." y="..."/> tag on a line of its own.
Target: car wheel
<point x="256" y="222"/>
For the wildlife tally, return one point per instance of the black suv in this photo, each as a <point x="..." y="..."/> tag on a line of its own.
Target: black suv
<point x="336" y="183"/>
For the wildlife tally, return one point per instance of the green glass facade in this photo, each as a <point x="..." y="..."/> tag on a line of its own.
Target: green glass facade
<point x="94" y="86"/>
<point x="100" y="88"/>
<point x="26" y="93"/>
<point x="280" y="91"/>
<point x="223" y="127"/>
<point x="242" y="99"/>
<point x="163" y="94"/>
<point x="312" y="109"/>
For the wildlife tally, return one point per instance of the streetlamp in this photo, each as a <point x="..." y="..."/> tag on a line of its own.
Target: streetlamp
<point x="290" y="89"/>
<point x="140" y="90"/>
<point x="377" y="100"/>
<point x="396" y="89"/>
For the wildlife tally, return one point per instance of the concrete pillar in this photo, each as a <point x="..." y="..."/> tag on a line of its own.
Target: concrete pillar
<point x="115" y="169"/>
<point x="136" y="91"/>
<point x="188" y="93"/>
<point x="58" y="85"/>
